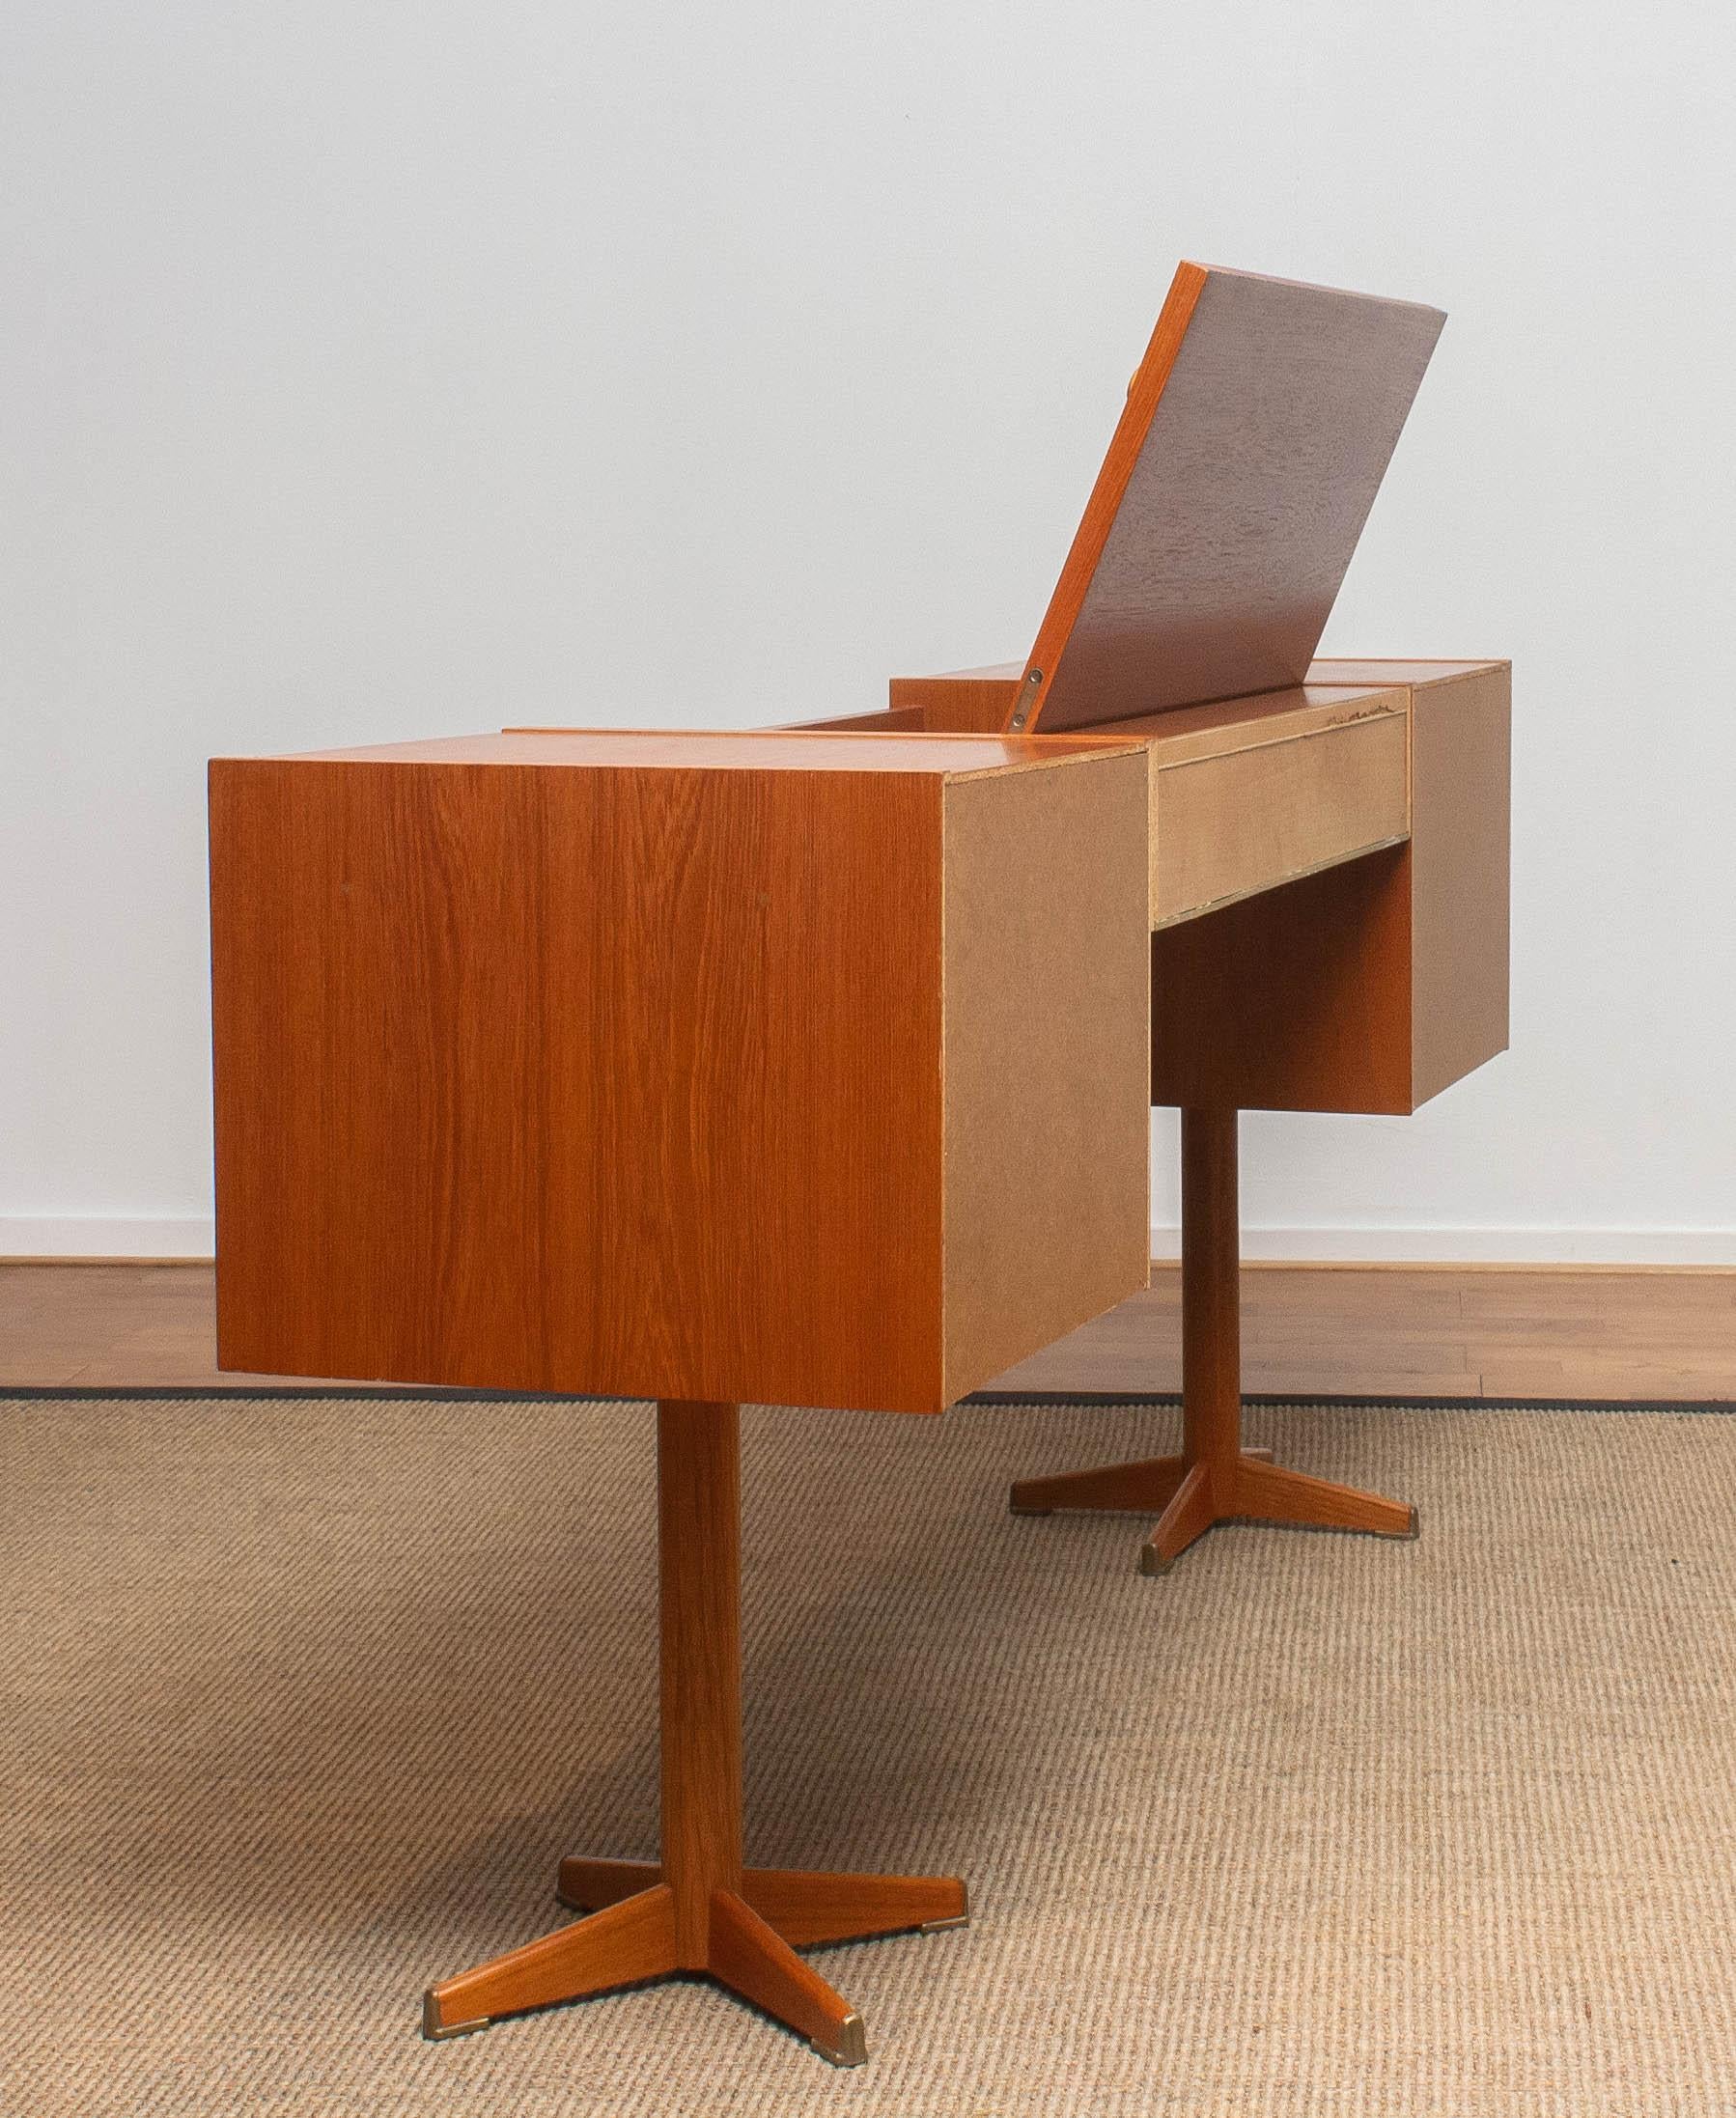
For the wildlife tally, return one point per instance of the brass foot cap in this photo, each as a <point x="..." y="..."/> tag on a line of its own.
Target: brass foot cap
<point x="1152" y="1560"/>
<point x="940" y="1925"/>
<point x="1416" y="1529"/>
<point x="852" y="2047"/>
<point x="1015" y="1506"/>
<point x="433" y="2027"/>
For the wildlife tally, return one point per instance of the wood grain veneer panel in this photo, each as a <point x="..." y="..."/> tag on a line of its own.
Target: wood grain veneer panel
<point x="1297" y="999"/>
<point x="1241" y="821"/>
<point x="1255" y="435"/>
<point x="889" y="720"/>
<point x="1047" y="1062"/>
<point x="964" y="700"/>
<point x="1099" y="524"/>
<point x="603" y="1081"/>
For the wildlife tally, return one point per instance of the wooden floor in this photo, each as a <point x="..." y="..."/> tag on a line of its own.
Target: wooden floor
<point x="1462" y="1333"/>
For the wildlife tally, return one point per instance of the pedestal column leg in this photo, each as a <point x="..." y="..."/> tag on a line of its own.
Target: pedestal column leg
<point x="699" y="1579"/>
<point x="1211" y="1293"/>
<point x="697" y="1908"/>
<point x="1211" y="1339"/>
<point x="1213" y="1479"/>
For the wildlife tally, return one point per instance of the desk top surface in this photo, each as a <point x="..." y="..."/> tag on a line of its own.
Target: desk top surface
<point x="747" y="750"/>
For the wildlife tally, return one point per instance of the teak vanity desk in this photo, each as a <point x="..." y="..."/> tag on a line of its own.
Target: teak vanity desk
<point x="676" y="1066"/>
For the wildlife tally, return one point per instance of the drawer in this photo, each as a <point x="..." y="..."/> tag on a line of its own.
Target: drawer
<point x="1241" y="821"/>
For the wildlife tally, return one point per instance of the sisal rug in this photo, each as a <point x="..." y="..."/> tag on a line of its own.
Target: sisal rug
<point x="301" y="1701"/>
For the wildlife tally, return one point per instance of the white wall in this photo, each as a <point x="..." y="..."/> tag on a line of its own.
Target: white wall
<point x="373" y="370"/>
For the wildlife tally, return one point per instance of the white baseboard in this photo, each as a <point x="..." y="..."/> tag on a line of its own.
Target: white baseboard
<point x="1367" y="1245"/>
<point x="128" y="1236"/>
<point x="107" y="1236"/>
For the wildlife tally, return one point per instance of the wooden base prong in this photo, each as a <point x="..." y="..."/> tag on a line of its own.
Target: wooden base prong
<point x="588" y="1885"/>
<point x="1189" y="1516"/>
<point x="622" y="1945"/>
<point x="1261" y="1491"/>
<point x="1144" y="1488"/>
<point x="1118" y="1489"/>
<point x="751" y="1958"/>
<point x="1267" y="1492"/>
<point x="811" y="1908"/>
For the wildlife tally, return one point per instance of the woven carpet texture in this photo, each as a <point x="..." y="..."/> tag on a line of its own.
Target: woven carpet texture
<point x="301" y="1701"/>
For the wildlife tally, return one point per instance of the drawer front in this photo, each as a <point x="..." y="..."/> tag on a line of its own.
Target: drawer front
<point x="1226" y="826"/>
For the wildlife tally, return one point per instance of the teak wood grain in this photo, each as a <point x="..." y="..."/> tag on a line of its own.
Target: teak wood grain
<point x="697" y="1908"/>
<point x="1249" y="453"/>
<point x="540" y="1070"/>
<point x="1213" y="1479"/>
<point x="958" y="699"/>
<point x="1091" y="538"/>
<point x="699" y="1591"/>
<point x="962" y="700"/>
<point x="478" y="1026"/>
<point x="880" y="748"/>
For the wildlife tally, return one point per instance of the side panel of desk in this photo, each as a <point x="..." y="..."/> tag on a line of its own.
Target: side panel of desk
<point x="1046" y="971"/>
